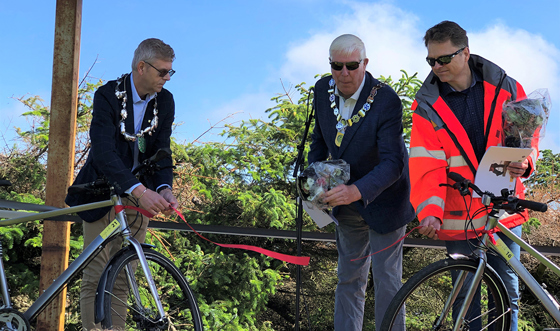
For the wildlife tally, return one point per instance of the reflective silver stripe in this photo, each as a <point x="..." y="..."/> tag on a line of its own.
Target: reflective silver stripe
<point x="434" y="200"/>
<point x="533" y="156"/>
<point x="459" y="224"/>
<point x="457" y="161"/>
<point x="423" y="152"/>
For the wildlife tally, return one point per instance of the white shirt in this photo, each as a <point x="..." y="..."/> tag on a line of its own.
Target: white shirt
<point x="346" y="106"/>
<point x="139" y="108"/>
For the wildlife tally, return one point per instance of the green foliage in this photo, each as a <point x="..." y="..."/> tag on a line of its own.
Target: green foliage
<point x="530" y="224"/>
<point x="406" y="88"/>
<point x="24" y="165"/>
<point x="546" y="172"/>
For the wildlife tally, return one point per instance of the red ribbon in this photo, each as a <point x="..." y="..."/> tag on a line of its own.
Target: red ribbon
<point x="299" y="260"/>
<point x="491" y="234"/>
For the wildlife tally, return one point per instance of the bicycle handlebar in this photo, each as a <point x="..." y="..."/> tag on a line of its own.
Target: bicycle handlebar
<point x="98" y="187"/>
<point x="151" y="164"/>
<point x="533" y="205"/>
<point x="101" y="186"/>
<point x="461" y="184"/>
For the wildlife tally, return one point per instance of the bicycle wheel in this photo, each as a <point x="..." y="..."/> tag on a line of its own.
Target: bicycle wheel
<point x="425" y="294"/>
<point x="125" y="310"/>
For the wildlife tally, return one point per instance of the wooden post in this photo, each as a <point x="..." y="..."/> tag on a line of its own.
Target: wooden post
<point x="60" y="162"/>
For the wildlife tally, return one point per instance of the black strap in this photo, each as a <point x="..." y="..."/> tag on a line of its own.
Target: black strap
<point x="492" y="109"/>
<point x="460" y="148"/>
<point x="456" y="142"/>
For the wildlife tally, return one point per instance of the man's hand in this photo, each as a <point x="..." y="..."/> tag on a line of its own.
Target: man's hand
<point x="342" y="195"/>
<point x="150" y="201"/>
<point x="429" y="226"/>
<point x="517" y="169"/>
<point x="167" y="194"/>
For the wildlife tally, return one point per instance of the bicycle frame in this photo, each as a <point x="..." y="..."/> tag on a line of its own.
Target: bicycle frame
<point x="119" y="225"/>
<point x="500" y="247"/>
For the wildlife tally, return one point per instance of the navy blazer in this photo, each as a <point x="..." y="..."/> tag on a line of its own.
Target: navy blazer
<point x="374" y="148"/>
<point x="112" y="156"/>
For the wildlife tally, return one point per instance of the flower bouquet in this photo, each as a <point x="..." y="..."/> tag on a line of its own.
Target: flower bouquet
<point x="526" y="119"/>
<point x="320" y="177"/>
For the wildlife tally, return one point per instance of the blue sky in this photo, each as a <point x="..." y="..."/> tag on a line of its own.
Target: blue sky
<point x="233" y="56"/>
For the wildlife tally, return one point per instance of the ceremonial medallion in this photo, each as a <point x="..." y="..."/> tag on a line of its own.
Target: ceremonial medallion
<point x="142" y="144"/>
<point x="343" y="123"/>
<point x="338" y="139"/>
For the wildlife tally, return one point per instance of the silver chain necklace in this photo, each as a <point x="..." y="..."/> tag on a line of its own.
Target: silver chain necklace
<point x="121" y="95"/>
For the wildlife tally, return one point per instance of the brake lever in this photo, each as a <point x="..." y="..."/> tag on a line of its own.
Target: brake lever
<point x="462" y="187"/>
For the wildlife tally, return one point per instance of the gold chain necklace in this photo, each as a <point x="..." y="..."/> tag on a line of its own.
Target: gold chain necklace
<point x="124" y="114"/>
<point x="343" y="123"/>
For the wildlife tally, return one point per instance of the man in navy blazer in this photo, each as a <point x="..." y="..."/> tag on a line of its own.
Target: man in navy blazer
<point x="359" y="119"/>
<point x="132" y="119"/>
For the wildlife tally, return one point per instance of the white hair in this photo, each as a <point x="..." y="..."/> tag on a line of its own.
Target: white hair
<point x="347" y="44"/>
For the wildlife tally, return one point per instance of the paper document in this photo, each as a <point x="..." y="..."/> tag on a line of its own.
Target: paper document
<point x="492" y="174"/>
<point x="319" y="216"/>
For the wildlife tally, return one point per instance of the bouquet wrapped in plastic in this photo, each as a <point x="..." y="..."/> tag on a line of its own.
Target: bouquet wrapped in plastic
<point x="525" y="120"/>
<point x="320" y="177"/>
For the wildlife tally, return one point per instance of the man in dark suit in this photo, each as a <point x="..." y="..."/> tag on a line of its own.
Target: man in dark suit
<point x="132" y="119"/>
<point x="359" y="120"/>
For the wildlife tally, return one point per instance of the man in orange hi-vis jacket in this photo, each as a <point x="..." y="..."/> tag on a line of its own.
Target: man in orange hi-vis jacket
<point x="457" y="116"/>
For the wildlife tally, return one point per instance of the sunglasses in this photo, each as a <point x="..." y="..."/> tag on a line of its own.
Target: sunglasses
<point x="162" y="72"/>
<point x="349" y="65"/>
<point x="444" y="59"/>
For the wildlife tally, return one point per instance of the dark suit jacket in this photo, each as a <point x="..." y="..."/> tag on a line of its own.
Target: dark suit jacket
<point x="112" y="156"/>
<point x="374" y="148"/>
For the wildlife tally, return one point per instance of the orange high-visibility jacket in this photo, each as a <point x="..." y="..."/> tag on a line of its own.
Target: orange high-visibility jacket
<point x="439" y="144"/>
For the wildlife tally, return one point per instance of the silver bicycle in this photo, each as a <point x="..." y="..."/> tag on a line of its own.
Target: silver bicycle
<point x="158" y="295"/>
<point x="433" y="301"/>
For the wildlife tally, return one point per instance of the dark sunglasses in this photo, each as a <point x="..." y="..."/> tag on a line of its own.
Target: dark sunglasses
<point x="162" y="72"/>
<point x="349" y="65"/>
<point x="444" y="59"/>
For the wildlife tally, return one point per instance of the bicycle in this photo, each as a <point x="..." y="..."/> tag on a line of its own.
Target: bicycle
<point x="433" y="301"/>
<point x="158" y="295"/>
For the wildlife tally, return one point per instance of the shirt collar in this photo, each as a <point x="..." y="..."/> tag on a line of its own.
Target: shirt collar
<point x="445" y="88"/>
<point x="356" y="94"/>
<point x="135" y="96"/>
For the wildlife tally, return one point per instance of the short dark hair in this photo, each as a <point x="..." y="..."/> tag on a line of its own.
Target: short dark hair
<point x="447" y="30"/>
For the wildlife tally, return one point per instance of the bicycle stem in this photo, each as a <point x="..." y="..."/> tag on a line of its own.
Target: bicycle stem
<point x="4" y="281"/>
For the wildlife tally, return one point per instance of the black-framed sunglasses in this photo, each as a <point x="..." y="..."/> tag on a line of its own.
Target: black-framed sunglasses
<point x="162" y="72"/>
<point x="444" y="59"/>
<point x="349" y="65"/>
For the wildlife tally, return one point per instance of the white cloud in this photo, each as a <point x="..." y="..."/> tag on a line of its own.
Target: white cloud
<point x="394" y="42"/>
<point x="390" y="34"/>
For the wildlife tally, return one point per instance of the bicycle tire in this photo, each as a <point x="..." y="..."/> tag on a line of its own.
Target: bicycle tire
<point x="178" y="300"/>
<point x="424" y="296"/>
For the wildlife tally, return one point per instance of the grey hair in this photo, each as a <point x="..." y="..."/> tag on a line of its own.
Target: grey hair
<point x="152" y="49"/>
<point x="347" y="44"/>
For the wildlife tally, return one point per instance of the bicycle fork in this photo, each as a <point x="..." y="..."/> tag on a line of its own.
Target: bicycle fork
<point x="132" y="281"/>
<point x="121" y="216"/>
